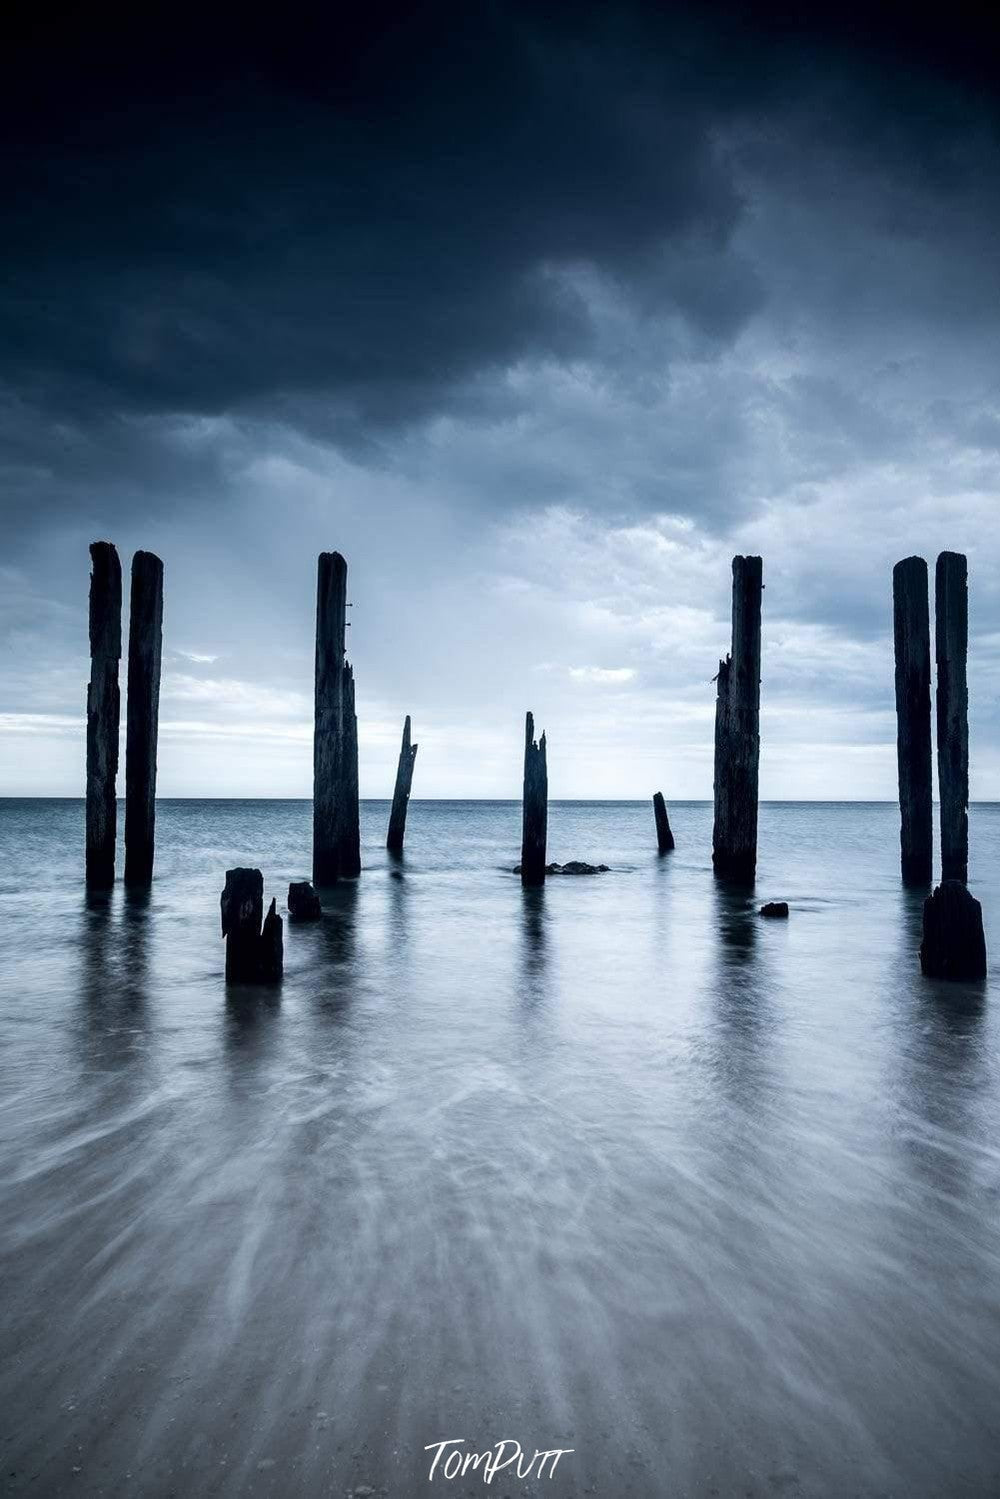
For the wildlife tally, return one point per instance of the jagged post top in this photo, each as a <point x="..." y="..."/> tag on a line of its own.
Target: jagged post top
<point x="105" y="600"/>
<point x="529" y="734"/>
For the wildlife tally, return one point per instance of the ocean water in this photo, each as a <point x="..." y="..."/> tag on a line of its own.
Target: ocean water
<point x="616" y="1167"/>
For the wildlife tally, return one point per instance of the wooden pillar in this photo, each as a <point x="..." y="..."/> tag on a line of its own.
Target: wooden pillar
<point x="951" y="611"/>
<point x="336" y="820"/>
<point x="535" y="807"/>
<point x="401" y="795"/>
<point x="664" y="837"/>
<point x="103" y="713"/>
<point x="737" y="732"/>
<point x="145" y="641"/>
<point x="954" y="943"/>
<point x="911" y="631"/>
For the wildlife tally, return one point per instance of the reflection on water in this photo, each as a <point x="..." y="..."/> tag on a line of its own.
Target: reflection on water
<point x="614" y="1165"/>
<point x="534" y="943"/>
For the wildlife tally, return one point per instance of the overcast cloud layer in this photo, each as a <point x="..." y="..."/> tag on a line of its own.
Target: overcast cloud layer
<point x="538" y="314"/>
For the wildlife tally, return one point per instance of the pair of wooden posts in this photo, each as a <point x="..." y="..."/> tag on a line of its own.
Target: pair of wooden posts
<point x="336" y="810"/>
<point x="737" y="752"/>
<point x="911" y="630"/>
<point x="104" y="715"/>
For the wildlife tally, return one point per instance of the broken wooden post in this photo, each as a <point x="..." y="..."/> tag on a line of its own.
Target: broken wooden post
<point x="954" y="945"/>
<point x="951" y="613"/>
<point x="242" y="906"/>
<point x="401" y="795"/>
<point x="912" y="636"/>
<point x="145" y="641"/>
<point x="336" y="820"/>
<point x="103" y="713"/>
<point x="737" y="732"/>
<point x="664" y="837"/>
<point x="535" y="807"/>
<point x="253" y="956"/>
<point x="272" y="947"/>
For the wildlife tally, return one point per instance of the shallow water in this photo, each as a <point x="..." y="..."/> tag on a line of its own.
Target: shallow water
<point x="616" y="1167"/>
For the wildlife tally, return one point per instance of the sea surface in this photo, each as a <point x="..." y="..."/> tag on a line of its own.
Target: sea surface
<point x="617" y="1166"/>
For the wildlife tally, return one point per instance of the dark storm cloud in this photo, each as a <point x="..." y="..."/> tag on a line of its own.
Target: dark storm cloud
<point x="207" y="215"/>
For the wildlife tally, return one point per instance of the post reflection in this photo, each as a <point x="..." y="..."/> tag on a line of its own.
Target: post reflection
<point x="736" y="922"/>
<point x="338" y="925"/>
<point x="744" y="1017"/>
<point x="942" y="1064"/>
<point x="113" y="982"/>
<point x="534" y="945"/>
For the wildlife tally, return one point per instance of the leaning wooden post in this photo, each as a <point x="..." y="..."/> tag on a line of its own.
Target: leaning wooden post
<point x="401" y="795"/>
<point x="737" y="732"/>
<point x="535" y="807"/>
<point x="336" y="823"/>
<point x="103" y="713"/>
<point x="664" y="837"/>
<point x="911" y="631"/>
<point x="951" y="611"/>
<point x="145" y="641"/>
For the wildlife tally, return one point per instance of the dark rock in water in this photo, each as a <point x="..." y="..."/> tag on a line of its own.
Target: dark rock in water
<point x="252" y="956"/>
<point x="272" y="948"/>
<point x="303" y="902"/>
<point x="954" y="945"/>
<point x="775" y="908"/>
<point x="575" y="866"/>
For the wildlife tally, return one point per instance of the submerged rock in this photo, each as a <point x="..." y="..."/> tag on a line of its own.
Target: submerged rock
<point x="954" y="945"/>
<point x="575" y="866"/>
<point x="303" y="902"/>
<point x="774" y="908"/>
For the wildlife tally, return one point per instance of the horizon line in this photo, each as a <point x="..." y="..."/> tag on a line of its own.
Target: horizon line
<point x="681" y="801"/>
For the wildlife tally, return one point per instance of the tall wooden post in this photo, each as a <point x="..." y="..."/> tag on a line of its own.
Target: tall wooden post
<point x="103" y="713"/>
<point x="912" y="636"/>
<point x="535" y="807"/>
<point x="145" y="642"/>
<point x="664" y="837"/>
<point x="737" y="732"/>
<point x="336" y="821"/>
<point x="951" y="612"/>
<point x="401" y="795"/>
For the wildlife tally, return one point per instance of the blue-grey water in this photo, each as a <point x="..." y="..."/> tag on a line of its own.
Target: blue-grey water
<point x="617" y="1166"/>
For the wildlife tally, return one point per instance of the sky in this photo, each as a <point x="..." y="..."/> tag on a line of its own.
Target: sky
<point x="539" y="314"/>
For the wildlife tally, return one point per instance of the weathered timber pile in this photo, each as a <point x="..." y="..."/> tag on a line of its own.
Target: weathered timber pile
<point x="254" y="947"/>
<point x="954" y="945"/>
